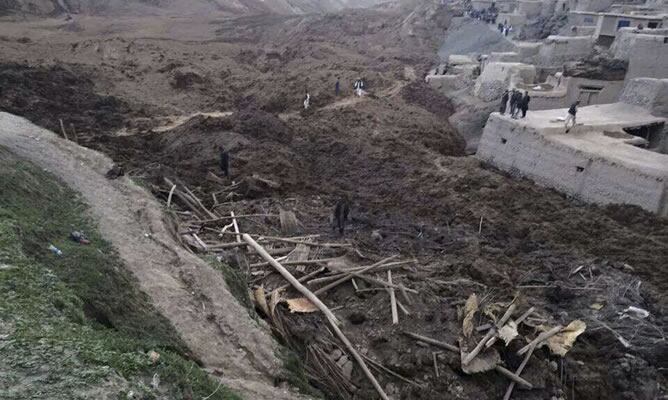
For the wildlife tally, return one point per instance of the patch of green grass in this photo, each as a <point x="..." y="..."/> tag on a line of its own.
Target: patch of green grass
<point x="77" y="326"/>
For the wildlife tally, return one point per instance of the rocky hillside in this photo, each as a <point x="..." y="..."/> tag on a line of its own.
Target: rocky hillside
<point x="138" y="7"/>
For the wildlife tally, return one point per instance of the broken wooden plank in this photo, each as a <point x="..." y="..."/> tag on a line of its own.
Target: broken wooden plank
<point x="290" y="278"/>
<point x="519" y="320"/>
<point x="169" y="198"/>
<point x="510" y="375"/>
<point x="470" y="356"/>
<point x="455" y="349"/>
<point x="350" y="276"/>
<point x="542" y="337"/>
<point x="393" y="300"/>
<point x="236" y="226"/>
<point x="305" y="262"/>
<point x="62" y="128"/>
<point x="303" y="278"/>
<point x="431" y="341"/>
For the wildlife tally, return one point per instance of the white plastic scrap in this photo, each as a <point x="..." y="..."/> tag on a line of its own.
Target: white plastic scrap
<point x="637" y="312"/>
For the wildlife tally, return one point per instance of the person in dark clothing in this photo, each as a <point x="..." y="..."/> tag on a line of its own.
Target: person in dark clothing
<point x="504" y="102"/>
<point x="224" y="161"/>
<point x="340" y="215"/>
<point x="513" y="103"/>
<point x="570" y="118"/>
<point x="517" y="95"/>
<point x="525" y="103"/>
<point x="337" y="87"/>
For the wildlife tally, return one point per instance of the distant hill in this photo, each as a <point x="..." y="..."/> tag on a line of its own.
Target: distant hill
<point x="140" y="7"/>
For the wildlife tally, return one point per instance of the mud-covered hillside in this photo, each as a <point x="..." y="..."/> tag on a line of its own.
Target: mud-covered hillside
<point x="134" y="7"/>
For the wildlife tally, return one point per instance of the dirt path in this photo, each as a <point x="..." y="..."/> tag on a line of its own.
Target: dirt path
<point x="352" y="100"/>
<point x="186" y="290"/>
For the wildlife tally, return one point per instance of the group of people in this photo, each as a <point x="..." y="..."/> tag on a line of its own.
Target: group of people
<point x="358" y="87"/>
<point x="517" y="101"/>
<point x="488" y="15"/>
<point x="504" y="28"/>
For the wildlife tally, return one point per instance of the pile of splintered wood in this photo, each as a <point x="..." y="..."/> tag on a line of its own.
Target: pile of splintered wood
<point x="484" y="357"/>
<point x="320" y="266"/>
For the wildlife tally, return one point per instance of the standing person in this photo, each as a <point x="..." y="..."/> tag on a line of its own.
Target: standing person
<point x="570" y="118"/>
<point x="513" y="102"/>
<point x="504" y="102"/>
<point x="359" y="87"/>
<point x="224" y="161"/>
<point x="307" y="101"/>
<point x="340" y="215"/>
<point x="518" y="103"/>
<point x="525" y="103"/>
<point x="337" y="87"/>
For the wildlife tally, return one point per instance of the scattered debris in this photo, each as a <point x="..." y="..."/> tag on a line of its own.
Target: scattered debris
<point x="508" y="332"/>
<point x="289" y="222"/>
<point x="637" y="312"/>
<point x="155" y="381"/>
<point x="115" y="172"/>
<point x="562" y="342"/>
<point x="153" y="356"/>
<point x="470" y="309"/>
<point x="301" y="305"/>
<point x="55" y="250"/>
<point x="79" y="237"/>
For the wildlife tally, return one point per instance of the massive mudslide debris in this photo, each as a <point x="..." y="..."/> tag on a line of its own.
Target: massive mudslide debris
<point x="443" y="256"/>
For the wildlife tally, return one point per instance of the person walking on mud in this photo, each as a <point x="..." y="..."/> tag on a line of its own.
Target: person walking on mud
<point x="224" y="161"/>
<point x="307" y="101"/>
<point x="570" y="117"/>
<point x="337" y="87"/>
<point x="340" y="215"/>
<point x="504" y="102"/>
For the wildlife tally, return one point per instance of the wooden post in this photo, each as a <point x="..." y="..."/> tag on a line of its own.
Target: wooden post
<point x="74" y="131"/>
<point x="62" y="128"/>
<point x="393" y="300"/>
<point x="169" y="198"/>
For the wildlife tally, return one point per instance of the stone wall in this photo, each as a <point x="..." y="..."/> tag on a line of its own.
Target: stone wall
<point x="523" y="151"/>
<point x="499" y="76"/>
<point x="626" y="38"/>
<point x="649" y="93"/>
<point x="558" y="49"/>
<point x="572" y="89"/>
<point x="648" y="57"/>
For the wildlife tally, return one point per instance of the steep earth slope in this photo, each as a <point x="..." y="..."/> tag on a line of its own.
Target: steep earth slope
<point x="191" y="294"/>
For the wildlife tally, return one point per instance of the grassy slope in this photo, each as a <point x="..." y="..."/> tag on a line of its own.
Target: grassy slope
<point x="76" y="326"/>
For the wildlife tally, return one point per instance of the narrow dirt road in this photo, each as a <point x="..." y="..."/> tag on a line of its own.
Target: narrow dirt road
<point x="185" y="289"/>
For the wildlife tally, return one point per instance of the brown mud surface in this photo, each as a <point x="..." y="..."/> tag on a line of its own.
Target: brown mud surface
<point x="394" y="154"/>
